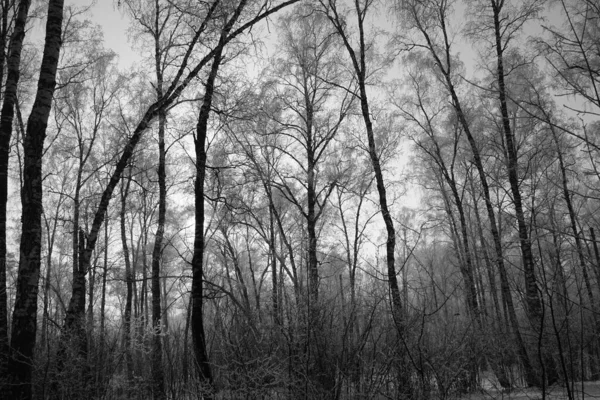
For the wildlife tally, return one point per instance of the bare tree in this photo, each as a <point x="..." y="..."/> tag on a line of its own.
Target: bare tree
<point x="25" y="312"/>
<point x="6" y="124"/>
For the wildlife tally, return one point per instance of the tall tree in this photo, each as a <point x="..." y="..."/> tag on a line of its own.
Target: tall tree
<point x="25" y="310"/>
<point x="358" y="58"/>
<point x="182" y="78"/>
<point x="198" y="331"/>
<point x="310" y="80"/>
<point x="431" y="19"/>
<point x="503" y="22"/>
<point x="159" y="21"/>
<point x="6" y="123"/>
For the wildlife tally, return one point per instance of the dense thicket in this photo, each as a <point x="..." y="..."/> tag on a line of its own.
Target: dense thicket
<point x="300" y="199"/>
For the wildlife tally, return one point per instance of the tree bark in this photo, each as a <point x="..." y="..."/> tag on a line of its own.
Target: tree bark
<point x="596" y="254"/>
<point x="198" y="333"/>
<point x="532" y="297"/>
<point x="128" y="281"/>
<point x="158" y="377"/>
<point x="6" y="121"/>
<point x="273" y="260"/>
<point x="20" y="366"/>
<point x="157" y="369"/>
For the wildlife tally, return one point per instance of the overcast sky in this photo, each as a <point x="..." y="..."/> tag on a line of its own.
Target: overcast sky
<point x="114" y="24"/>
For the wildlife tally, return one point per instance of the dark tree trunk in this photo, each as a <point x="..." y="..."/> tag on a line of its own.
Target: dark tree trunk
<point x="360" y="71"/>
<point x="198" y="333"/>
<point x="446" y="69"/>
<point x="6" y="121"/>
<point x="102" y="338"/>
<point x="596" y="254"/>
<point x="157" y="369"/>
<point x="272" y="245"/>
<point x="311" y="216"/>
<point x="21" y="360"/>
<point x="128" y="281"/>
<point x="532" y="297"/>
<point x="358" y="59"/>
<point x="158" y="378"/>
<point x="197" y="323"/>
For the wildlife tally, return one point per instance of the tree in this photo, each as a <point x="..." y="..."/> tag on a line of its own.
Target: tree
<point x="571" y="52"/>
<point x="358" y="57"/>
<point x="499" y="23"/>
<point x="160" y="22"/>
<point x="310" y="78"/>
<point x="181" y="80"/>
<point x="431" y="20"/>
<point x="6" y="123"/>
<point x="25" y="311"/>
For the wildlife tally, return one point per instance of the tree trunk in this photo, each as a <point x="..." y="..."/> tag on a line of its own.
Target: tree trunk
<point x="596" y="254"/>
<point x="21" y="362"/>
<point x="273" y="259"/>
<point x="6" y="121"/>
<point x="360" y="72"/>
<point x="74" y="331"/>
<point x="102" y="338"/>
<point x="311" y="217"/>
<point x="198" y="334"/>
<point x="128" y="282"/>
<point x="157" y="369"/>
<point x="495" y="230"/>
<point x="532" y="297"/>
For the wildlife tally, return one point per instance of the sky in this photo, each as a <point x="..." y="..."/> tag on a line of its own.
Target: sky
<point x="115" y="23"/>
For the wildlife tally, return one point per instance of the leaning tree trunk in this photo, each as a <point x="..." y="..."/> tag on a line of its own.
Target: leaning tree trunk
<point x="21" y="362"/>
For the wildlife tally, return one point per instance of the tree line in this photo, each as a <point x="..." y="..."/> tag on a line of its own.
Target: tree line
<point x="299" y="199"/>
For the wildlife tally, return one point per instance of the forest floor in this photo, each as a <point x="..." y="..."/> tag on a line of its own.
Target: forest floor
<point x="591" y="390"/>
